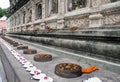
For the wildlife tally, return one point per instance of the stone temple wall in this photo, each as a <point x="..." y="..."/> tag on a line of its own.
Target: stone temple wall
<point x="94" y="13"/>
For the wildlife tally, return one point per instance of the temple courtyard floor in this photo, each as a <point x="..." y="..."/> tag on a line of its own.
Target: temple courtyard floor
<point x="15" y="72"/>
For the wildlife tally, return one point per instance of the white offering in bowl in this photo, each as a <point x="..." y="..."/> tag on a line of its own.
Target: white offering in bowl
<point x="27" y="64"/>
<point x="39" y="76"/>
<point x="46" y="79"/>
<point x="30" y="68"/>
<point x="33" y="72"/>
<point x="93" y="79"/>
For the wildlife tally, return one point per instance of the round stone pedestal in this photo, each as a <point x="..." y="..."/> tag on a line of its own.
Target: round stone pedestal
<point x="22" y="47"/>
<point x="30" y="51"/>
<point x="43" y="57"/>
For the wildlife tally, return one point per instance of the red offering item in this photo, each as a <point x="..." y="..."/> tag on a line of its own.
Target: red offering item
<point x="73" y="28"/>
<point x="49" y="28"/>
<point x="90" y="69"/>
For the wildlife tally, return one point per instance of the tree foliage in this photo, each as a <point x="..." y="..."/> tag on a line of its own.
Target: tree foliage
<point x="3" y="12"/>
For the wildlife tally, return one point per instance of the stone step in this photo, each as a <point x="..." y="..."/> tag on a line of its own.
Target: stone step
<point x="111" y="31"/>
<point x="107" y="51"/>
<point x="81" y="34"/>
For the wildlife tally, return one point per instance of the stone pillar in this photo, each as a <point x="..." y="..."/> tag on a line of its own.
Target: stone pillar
<point x="13" y="20"/>
<point x="44" y="14"/>
<point x="61" y="11"/>
<point x="8" y="25"/>
<point x="43" y="9"/>
<point x="21" y="20"/>
<point x="89" y="3"/>
<point x="16" y="15"/>
<point x="25" y="9"/>
<point x="33" y="11"/>
<point x="21" y="17"/>
<point x="96" y="18"/>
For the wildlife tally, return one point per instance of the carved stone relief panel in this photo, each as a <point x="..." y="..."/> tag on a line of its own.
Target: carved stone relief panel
<point x="52" y="25"/>
<point x="96" y="3"/>
<point x="23" y="17"/>
<point x="112" y="19"/>
<point x="84" y="22"/>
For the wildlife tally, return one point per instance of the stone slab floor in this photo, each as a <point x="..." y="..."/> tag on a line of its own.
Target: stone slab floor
<point x="48" y="67"/>
<point x="2" y="73"/>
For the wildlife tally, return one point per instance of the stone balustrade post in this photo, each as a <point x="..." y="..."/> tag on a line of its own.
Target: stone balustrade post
<point x="43" y="9"/>
<point x="61" y="12"/>
<point x="25" y="9"/>
<point x="96" y="18"/>
<point x="33" y="11"/>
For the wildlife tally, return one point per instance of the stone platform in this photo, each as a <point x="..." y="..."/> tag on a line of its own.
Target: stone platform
<point x="103" y="42"/>
<point x="16" y="73"/>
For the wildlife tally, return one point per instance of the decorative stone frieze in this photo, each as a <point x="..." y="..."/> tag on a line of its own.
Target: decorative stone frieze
<point x="81" y="22"/>
<point x="52" y="25"/>
<point x="95" y="13"/>
<point x="112" y="19"/>
<point x="96" y="3"/>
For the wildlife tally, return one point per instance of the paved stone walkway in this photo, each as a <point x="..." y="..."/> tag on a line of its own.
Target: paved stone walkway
<point x="104" y="75"/>
<point x="2" y="73"/>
